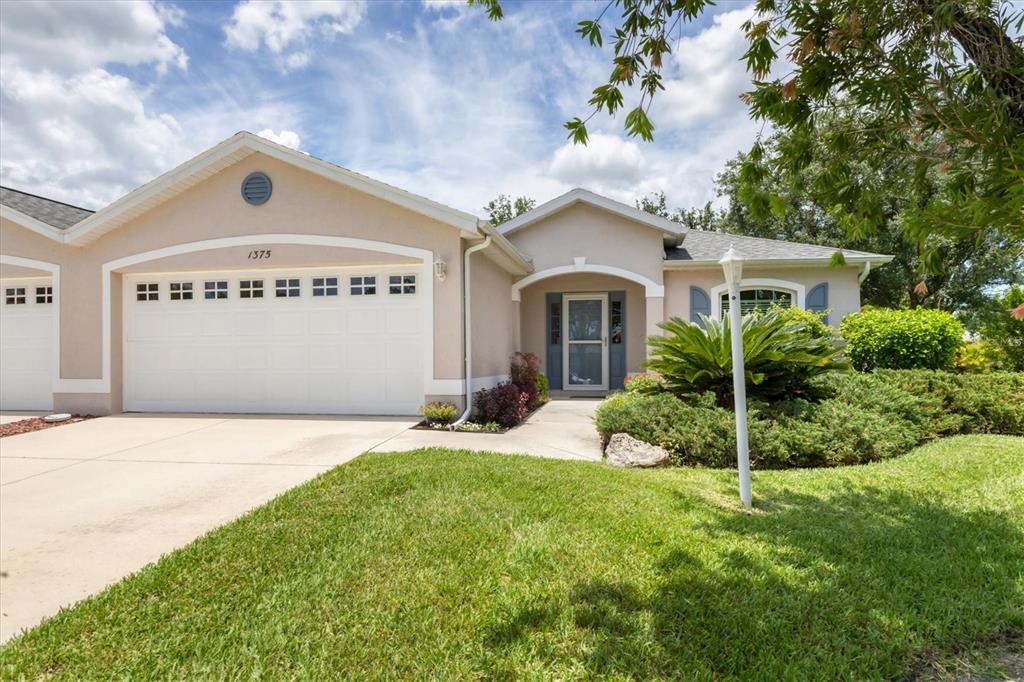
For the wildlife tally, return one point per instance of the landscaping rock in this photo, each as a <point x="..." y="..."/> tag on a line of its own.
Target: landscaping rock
<point x="625" y="451"/>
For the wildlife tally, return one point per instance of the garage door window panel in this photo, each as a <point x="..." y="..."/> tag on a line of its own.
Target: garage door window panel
<point x="325" y="286"/>
<point x="250" y="288"/>
<point x="362" y="285"/>
<point x="215" y="290"/>
<point x="287" y="288"/>
<point x="181" y="291"/>
<point x="147" y="291"/>
<point x="402" y="284"/>
<point x="14" y="296"/>
<point x="44" y="294"/>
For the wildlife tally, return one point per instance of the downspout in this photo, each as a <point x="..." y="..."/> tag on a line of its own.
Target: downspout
<point x="467" y="335"/>
<point x="864" y="273"/>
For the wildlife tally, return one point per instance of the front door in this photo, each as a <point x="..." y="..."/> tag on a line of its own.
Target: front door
<point x="585" y="360"/>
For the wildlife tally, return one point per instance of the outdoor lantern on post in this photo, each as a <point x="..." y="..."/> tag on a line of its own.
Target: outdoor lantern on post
<point x="732" y="265"/>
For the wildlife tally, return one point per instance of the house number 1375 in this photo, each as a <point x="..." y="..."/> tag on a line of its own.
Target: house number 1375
<point x="259" y="254"/>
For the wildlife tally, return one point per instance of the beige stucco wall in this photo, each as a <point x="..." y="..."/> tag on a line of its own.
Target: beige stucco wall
<point x="302" y="203"/>
<point x="533" y="315"/>
<point x="843" y="287"/>
<point x="494" y="333"/>
<point x="601" y="237"/>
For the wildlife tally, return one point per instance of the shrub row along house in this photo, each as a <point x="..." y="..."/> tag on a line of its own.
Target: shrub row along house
<point x="254" y="278"/>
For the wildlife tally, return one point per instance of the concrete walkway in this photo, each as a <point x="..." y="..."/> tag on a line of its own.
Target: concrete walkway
<point x="83" y="505"/>
<point x="562" y="429"/>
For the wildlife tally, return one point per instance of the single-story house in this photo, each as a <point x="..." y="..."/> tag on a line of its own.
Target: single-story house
<point x="255" y="278"/>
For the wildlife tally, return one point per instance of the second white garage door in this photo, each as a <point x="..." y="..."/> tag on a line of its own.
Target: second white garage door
<point x="27" y="344"/>
<point x="329" y="341"/>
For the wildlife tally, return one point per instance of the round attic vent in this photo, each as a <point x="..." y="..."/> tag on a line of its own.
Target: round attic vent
<point x="256" y="188"/>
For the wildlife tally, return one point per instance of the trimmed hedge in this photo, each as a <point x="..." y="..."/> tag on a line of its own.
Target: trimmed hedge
<point x="867" y="417"/>
<point x="912" y="338"/>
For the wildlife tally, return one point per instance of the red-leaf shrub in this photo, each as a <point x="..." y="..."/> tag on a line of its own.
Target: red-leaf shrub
<point x="525" y="372"/>
<point x="504" y="404"/>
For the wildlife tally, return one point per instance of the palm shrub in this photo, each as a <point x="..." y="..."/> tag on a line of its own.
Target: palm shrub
<point x="781" y="357"/>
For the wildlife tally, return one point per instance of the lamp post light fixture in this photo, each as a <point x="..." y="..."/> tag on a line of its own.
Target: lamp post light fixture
<point x="732" y="265"/>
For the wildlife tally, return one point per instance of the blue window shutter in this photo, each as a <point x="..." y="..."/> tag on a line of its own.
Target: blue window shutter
<point x="553" y="342"/>
<point x="700" y="304"/>
<point x="817" y="299"/>
<point x="617" y="349"/>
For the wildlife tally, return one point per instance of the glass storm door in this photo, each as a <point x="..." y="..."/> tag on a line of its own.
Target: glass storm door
<point x="586" y="342"/>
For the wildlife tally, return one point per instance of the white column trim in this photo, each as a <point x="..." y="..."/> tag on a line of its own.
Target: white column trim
<point x="426" y="284"/>
<point x="652" y="289"/>
<point x="54" y="271"/>
<point x="756" y="283"/>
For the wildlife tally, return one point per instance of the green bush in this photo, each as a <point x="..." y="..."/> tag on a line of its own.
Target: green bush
<point x="439" y="413"/>
<point x="979" y="357"/>
<point x="1005" y="331"/>
<point x="648" y="383"/>
<point x="917" y="338"/>
<point x="781" y="356"/>
<point x="863" y="418"/>
<point x="815" y="322"/>
<point x="543" y="388"/>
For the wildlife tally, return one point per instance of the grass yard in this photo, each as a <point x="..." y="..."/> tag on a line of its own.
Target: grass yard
<point x="462" y="565"/>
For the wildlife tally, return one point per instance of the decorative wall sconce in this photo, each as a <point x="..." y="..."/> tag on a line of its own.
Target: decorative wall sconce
<point x="440" y="270"/>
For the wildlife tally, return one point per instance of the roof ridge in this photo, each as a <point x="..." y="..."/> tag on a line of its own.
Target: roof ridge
<point x="53" y="201"/>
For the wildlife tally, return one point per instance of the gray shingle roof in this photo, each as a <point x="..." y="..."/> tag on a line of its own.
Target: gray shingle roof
<point x="55" y="213"/>
<point x="704" y="247"/>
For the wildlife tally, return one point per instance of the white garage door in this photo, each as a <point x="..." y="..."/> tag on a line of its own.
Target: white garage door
<point x="330" y="341"/>
<point x="27" y="344"/>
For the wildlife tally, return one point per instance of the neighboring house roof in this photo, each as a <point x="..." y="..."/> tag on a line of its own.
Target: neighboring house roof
<point x="699" y="247"/>
<point x="582" y="196"/>
<point x="54" y="213"/>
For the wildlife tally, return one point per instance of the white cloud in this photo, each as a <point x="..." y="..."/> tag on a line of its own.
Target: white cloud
<point x="607" y="164"/>
<point x="707" y="74"/>
<point x="84" y="138"/>
<point x="71" y="37"/>
<point x="287" y="28"/>
<point x="288" y="138"/>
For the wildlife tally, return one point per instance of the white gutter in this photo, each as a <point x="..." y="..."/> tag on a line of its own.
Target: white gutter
<point x="467" y="335"/>
<point x="864" y="273"/>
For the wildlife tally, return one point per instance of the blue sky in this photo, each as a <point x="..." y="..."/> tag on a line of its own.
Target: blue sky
<point x="428" y="95"/>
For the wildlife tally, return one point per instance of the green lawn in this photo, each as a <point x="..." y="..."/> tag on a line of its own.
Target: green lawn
<point x="465" y="565"/>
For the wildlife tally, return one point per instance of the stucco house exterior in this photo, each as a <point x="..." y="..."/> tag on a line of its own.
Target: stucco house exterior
<point x="255" y="278"/>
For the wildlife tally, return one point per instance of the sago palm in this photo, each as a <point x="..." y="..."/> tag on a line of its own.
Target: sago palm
<point x="780" y="356"/>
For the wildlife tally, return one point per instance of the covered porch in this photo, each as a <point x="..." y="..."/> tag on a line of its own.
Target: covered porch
<point x="588" y="328"/>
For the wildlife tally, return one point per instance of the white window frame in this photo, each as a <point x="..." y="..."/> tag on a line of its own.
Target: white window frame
<point x="216" y="289"/>
<point x="795" y="288"/>
<point x="406" y="284"/>
<point x="285" y="286"/>
<point x="360" y="288"/>
<point x="183" y="293"/>
<point x="325" y="288"/>
<point x="12" y="294"/>
<point x="146" y="292"/>
<point x="250" y="288"/>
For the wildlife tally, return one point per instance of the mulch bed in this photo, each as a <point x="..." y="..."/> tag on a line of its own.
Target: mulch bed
<point x="36" y="424"/>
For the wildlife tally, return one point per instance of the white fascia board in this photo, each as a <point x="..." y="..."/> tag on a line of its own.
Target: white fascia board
<point x="583" y="196"/>
<point x="511" y="258"/>
<point x="778" y="262"/>
<point x="92" y="227"/>
<point x="30" y="223"/>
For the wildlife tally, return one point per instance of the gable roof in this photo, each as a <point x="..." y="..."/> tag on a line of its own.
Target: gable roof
<point x="230" y="151"/>
<point x="49" y="211"/>
<point x="583" y="196"/>
<point x="702" y="248"/>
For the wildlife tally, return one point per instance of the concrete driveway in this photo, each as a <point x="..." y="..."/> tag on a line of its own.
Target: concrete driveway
<point x="83" y="505"/>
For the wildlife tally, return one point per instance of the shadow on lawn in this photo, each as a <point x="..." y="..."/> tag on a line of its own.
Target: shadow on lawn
<point x="859" y="584"/>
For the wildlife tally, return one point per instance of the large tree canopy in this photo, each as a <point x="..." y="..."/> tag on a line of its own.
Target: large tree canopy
<point x="928" y="86"/>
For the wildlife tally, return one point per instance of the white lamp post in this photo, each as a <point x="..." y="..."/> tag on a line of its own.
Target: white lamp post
<point x="732" y="265"/>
